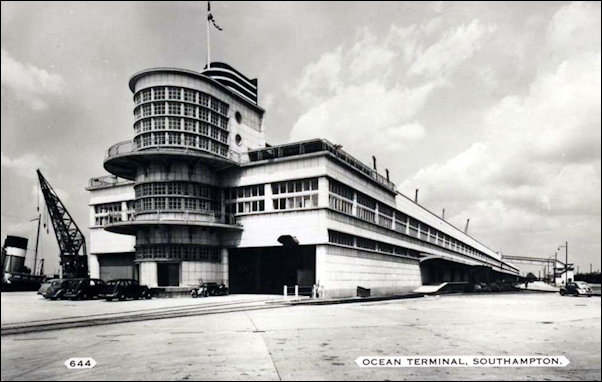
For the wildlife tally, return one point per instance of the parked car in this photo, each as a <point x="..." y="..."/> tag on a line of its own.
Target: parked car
<point x="209" y="289"/>
<point x="123" y="289"/>
<point x="83" y="289"/>
<point x="44" y="287"/>
<point x="57" y="289"/>
<point x="577" y="288"/>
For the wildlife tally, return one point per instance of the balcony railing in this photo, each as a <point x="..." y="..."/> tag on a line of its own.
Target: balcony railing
<point x="272" y="152"/>
<point x="127" y="147"/>
<point x="106" y="181"/>
<point x="186" y="216"/>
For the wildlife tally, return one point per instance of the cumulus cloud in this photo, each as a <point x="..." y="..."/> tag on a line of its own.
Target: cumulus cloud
<point x="537" y="170"/>
<point x="29" y="83"/>
<point x="24" y="165"/>
<point x="455" y="47"/>
<point x="365" y="92"/>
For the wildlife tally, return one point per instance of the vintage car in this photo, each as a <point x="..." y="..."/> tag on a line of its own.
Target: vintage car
<point x="44" y="287"/>
<point x="577" y="288"/>
<point x="56" y="289"/>
<point x="123" y="289"/>
<point x="209" y="289"/>
<point x="83" y="289"/>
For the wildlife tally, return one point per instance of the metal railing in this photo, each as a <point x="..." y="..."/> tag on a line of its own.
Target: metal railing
<point x="272" y="152"/>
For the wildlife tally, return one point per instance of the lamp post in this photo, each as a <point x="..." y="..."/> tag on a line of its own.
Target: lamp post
<point x="566" y="259"/>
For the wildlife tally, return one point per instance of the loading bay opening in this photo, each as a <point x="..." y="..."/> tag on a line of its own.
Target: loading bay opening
<point x="265" y="270"/>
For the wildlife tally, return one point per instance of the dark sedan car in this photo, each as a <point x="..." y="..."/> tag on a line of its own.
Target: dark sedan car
<point x="56" y="289"/>
<point x="123" y="289"/>
<point x="209" y="289"/>
<point x="83" y="289"/>
<point x="44" y="287"/>
<point x="577" y="288"/>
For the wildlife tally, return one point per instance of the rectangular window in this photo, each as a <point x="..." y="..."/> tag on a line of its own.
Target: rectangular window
<point x="159" y="138"/>
<point x="159" y="93"/>
<point x="189" y="95"/>
<point x="341" y="238"/>
<point x="189" y="125"/>
<point x="223" y="109"/>
<point x="204" y="114"/>
<point x="174" y="93"/>
<point x="146" y="110"/>
<point x="174" y="123"/>
<point x="204" y="99"/>
<point x="190" y="110"/>
<point x="159" y="108"/>
<point x="159" y="203"/>
<point x="146" y="95"/>
<point x="174" y="138"/>
<point x="159" y="123"/>
<point x="214" y="119"/>
<point x="174" y="108"/>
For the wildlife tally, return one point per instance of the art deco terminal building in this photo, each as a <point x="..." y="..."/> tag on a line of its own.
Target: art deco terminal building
<point x="198" y="196"/>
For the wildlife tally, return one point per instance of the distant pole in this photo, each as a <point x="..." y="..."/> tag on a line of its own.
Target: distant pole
<point x="566" y="258"/>
<point x="208" y="38"/>
<point x="35" y="256"/>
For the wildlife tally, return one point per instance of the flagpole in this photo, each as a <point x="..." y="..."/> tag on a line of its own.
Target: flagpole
<point x="208" y="39"/>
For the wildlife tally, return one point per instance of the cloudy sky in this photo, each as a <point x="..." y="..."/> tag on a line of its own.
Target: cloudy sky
<point x="491" y="109"/>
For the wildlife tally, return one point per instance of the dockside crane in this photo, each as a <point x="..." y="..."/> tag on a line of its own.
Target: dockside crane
<point x="71" y="240"/>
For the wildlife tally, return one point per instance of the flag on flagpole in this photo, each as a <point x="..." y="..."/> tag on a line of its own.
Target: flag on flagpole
<point x="210" y="16"/>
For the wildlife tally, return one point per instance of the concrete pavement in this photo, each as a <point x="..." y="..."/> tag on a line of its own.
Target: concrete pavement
<point x="322" y="342"/>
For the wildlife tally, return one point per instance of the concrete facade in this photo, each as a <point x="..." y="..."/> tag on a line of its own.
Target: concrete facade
<point x="200" y="182"/>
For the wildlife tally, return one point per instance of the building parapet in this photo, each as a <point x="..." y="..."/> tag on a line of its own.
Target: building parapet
<point x="106" y="181"/>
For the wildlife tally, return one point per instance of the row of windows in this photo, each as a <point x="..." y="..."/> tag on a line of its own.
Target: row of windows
<point x="340" y="205"/>
<point x="107" y="207"/>
<point x="341" y="238"/>
<point x="181" y="139"/>
<point x="340" y="189"/>
<point x="245" y="207"/>
<point x="101" y="221"/>
<point x="187" y="95"/>
<point x="107" y="213"/>
<point x="176" y="204"/>
<point x="291" y="186"/>
<point x="176" y="188"/>
<point x="245" y="192"/>
<point x="189" y="125"/>
<point x="173" y="108"/>
<point x="297" y="202"/>
<point x="341" y="197"/>
<point x="179" y="252"/>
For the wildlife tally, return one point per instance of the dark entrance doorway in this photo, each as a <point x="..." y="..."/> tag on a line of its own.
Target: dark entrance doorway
<point x="268" y="269"/>
<point x="168" y="274"/>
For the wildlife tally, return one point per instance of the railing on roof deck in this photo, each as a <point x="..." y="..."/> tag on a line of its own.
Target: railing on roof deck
<point x="273" y="152"/>
<point x="318" y="145"/>
<point x="106" y="181"/>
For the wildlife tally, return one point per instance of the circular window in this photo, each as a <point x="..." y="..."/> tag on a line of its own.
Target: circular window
<point x="238" y="139"/>
<point x="238" y="117"/>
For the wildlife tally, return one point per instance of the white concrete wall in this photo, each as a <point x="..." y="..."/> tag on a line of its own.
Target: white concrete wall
<point x="341" y="270"/>
<point x="93" y="266"/>
<point x="119" y="193"/>
<point x="148" y="274"/>
<point x="194" y="273"/>
<point x="263" y="230"/>
<point x="102" y="241"/>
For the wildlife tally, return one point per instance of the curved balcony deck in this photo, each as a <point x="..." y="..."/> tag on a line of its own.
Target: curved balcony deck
<point x="150" y="219"/>
<point x="123" y="158"/>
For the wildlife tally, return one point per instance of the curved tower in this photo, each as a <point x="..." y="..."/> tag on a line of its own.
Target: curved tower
<point x="189" y="129"/>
